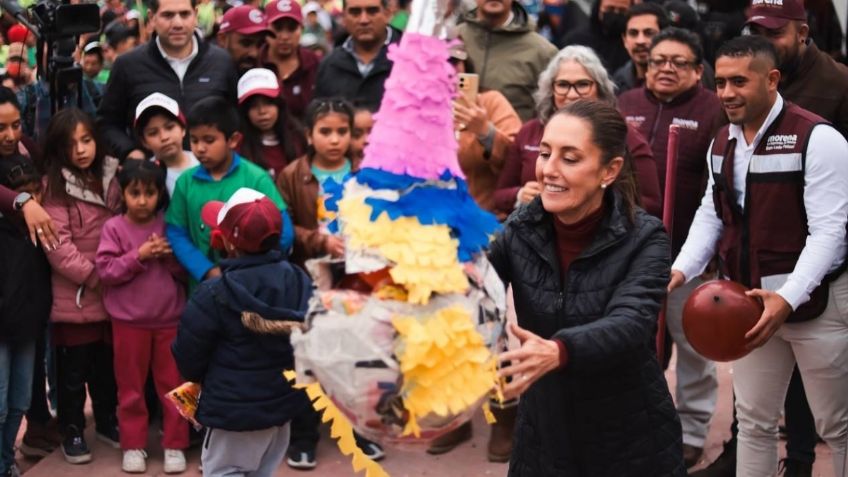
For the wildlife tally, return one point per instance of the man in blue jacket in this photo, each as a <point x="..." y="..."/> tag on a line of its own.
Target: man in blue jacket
<point x="233" y="339"/>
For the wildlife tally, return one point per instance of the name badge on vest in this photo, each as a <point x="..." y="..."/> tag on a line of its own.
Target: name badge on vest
<point x="296" y="90"/>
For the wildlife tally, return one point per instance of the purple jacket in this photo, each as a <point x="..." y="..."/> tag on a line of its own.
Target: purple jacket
<point x="699" y="114"/>
<point x="78" y="221"/>
<point x="129" y="284"/>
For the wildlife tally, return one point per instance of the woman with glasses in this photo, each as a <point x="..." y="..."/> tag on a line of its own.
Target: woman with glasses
<point x="574" y="73"/>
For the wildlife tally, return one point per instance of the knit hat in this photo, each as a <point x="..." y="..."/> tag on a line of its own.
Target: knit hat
<point x="247" y="220"/>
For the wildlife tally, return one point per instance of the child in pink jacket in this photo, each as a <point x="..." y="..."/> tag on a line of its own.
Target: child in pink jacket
<point x="81" y="195"/>
<point x="143" y="296"/>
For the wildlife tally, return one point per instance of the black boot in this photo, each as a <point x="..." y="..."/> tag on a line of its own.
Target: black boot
<point x="724" y="465"/>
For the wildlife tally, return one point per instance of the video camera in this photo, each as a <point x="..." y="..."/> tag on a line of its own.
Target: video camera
<point x="57" y="25"/>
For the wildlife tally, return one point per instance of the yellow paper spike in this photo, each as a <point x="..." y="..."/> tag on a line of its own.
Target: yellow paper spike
<point x="446" y="367"/>
<point x="424" y="256"/>
<point x="488" y="414"/>
<point x="340" y="427"/>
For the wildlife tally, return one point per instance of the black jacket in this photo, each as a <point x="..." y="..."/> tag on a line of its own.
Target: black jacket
<point x="338" y="76"/>
<point x="25" y="295"/>
<point x="608" y="412"/>
<point x="606" y="43"/>
<point x="144" y="71"/>
<point x="240" y="368"/>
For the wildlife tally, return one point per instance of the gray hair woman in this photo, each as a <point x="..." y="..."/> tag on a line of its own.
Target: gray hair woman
<point x="574" y="73"/>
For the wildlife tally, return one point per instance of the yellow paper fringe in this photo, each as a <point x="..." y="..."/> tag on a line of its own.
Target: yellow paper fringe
<point x="488" y="414"/>
<point x="340" y="427"/>
<point x="446" y="365"/>
<point x="425" y="256"/>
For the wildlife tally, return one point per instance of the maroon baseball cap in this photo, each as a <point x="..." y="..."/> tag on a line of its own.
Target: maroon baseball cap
<point x="244" y="19"/>
<point x="246" y="220"/>
<point x="277" y="9"/>
<point x="774" y="14"/>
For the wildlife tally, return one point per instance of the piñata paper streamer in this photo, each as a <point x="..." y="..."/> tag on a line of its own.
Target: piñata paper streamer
<point x="425" y="258"/>
<point x="446" y="366"/>
<point x="340" y="428"/>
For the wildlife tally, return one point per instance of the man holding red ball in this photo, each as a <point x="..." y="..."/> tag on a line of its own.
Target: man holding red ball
<point x="776" y="208"/>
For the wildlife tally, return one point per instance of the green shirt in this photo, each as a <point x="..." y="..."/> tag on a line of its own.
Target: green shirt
<point x="193" y="190"/>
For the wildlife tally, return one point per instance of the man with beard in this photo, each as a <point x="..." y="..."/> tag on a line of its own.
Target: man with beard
<point x="809" y="77"/>
<point x="296" y="67"/>
<point x="673" y="94"/>
<point x="644" y="21"/>
<point x="775" y="209"/>
<point x="175" y="62"/>
<point x="357" y="70"/>
<point x="242" y="33"/>
<point x="506" y="52"/>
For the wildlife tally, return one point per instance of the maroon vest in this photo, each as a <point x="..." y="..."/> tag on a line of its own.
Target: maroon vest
<point x="761" y="243"/>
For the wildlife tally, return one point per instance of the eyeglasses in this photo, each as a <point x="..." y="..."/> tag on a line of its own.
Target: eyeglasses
<point x="582" y="87"/>
<point x="647" y="32"/>
<point x="676" y="63"/>
<point x="357" y="11"/>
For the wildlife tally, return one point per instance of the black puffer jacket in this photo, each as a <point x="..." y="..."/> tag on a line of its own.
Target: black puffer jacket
<point x="609" y="411"/>
<point x="144" y="71"/>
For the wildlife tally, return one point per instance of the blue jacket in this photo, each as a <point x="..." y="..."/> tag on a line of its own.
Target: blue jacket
<point x="240" y="368"/>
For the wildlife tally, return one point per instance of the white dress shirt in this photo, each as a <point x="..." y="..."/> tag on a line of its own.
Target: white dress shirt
<point x="825" y="201"/>
<point x="180" y="65"/>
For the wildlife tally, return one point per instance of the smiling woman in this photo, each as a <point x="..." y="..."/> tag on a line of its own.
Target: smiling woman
<point x="588" y="271"/>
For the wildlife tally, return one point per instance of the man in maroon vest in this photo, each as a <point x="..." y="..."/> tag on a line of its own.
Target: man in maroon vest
<point x="776" y="209"/>
<point x="673" y="94"/>
<point x="811" y="79"/>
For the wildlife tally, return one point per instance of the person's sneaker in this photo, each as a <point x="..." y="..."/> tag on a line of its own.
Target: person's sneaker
<point x="175" y="461"/>
<point x="371" y="449"/>
<point x="301" y="456"/>
<point x="795" y="468"/>
<point x="135" y="461"/>
<point x="74" y="447"/>
<point x="723" y="466"/>
<point x="109" y="435"/>
<point x="40" y="440"/>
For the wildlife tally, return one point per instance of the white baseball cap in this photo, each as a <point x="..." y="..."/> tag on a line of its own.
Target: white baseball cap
<point x="159" y="100"/>
<point x="258" y="81"/>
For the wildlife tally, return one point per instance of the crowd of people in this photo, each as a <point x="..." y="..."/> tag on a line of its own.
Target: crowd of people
<point x="135" y="284"/>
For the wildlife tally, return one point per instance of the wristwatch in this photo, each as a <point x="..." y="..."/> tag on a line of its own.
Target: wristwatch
<point x="20" y="200"/>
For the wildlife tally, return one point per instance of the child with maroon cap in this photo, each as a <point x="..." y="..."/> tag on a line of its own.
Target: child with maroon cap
<point x="234" y="339"/>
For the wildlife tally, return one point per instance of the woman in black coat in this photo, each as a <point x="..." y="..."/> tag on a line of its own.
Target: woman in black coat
<point x="589" y="270"/>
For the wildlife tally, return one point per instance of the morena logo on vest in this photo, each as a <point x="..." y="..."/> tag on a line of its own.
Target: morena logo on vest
<point x="781" y="141"/>
<point x="686" y="123"/>
<point x="776" y="3"/>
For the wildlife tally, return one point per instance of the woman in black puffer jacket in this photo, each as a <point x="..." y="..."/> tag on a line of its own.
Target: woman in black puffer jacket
<point x="589" y="270"/>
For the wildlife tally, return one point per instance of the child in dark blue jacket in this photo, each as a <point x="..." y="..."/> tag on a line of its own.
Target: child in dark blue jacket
<point x="234" y="339"/>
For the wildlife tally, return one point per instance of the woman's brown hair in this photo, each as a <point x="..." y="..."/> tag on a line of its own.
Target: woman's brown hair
<point x="609" y="134"/>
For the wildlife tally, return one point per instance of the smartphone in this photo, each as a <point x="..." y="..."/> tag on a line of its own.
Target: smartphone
<point x="469" y="86"/>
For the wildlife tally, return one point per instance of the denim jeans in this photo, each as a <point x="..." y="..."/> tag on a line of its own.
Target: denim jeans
<point x="16" y="366"/>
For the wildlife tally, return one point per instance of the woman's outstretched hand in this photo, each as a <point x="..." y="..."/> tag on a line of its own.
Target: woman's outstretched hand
<point x="535" y="358"/>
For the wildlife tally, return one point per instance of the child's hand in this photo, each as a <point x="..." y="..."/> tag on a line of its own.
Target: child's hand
<point x="147" y="250"/>
<point x="212" y="273"/>
<point x="335" y="246"/>
<point x="161" y="247"/>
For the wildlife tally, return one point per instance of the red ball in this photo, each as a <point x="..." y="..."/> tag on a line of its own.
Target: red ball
<point x="716" y="317"/>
